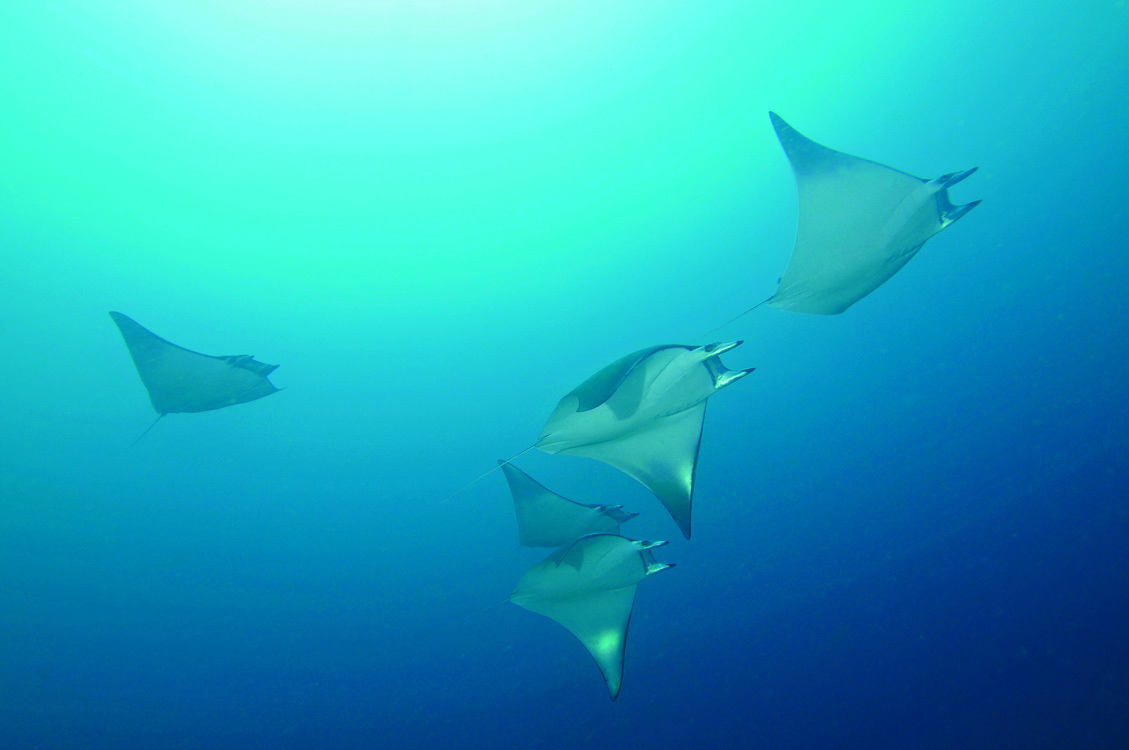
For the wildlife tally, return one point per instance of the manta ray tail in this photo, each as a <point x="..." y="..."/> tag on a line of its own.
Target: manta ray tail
<point x="138" y="439"/>
<point x="490" y="471"/>
<point x="731" y="320"/>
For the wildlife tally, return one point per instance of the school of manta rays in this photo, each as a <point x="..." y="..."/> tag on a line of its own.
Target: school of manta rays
<point x="859" y="223"/>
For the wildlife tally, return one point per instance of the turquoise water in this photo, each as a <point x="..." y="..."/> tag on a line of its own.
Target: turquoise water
<point x="439" y="217"/>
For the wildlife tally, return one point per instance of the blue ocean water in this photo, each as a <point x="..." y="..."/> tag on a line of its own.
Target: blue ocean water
<point x="910" y="523"/>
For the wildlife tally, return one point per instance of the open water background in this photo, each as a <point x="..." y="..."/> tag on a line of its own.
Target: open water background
<point x="910" y="526"/>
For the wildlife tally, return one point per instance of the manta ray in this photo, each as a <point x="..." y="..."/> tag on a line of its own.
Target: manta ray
<point x="180" y="380"/>
<point x="589" y="588"/>
<point x="546" y="519"/>
<point x="859" y="223"/>
<point x="643" y="414"/>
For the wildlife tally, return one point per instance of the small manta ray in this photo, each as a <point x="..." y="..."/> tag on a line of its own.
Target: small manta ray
<point x="589" y="588"/>
<point x="180" y="380"/>
<point x="643" y="415"/>
<point x="546" y="519"/>
<point x="859" y="223"/>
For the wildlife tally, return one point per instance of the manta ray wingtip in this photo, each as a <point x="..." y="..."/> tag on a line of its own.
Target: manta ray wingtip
<point x="780" y="125"/>
<point x="683" y="526"/>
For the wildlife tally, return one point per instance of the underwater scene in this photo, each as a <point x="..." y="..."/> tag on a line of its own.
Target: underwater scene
<point x="357" y="356"/>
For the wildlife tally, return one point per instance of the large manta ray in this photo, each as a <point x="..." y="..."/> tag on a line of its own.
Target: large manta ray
<point x="859" y="223"/>
<point x="643" y="414"/>
<point x="589" y="588"/>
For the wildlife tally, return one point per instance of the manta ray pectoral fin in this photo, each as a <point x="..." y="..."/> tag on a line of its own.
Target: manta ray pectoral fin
<point x="599" y="620"/>
<point x="663" y="458"/>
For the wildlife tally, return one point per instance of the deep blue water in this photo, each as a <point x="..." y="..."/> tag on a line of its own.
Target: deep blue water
<point x="911" y="523"/>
